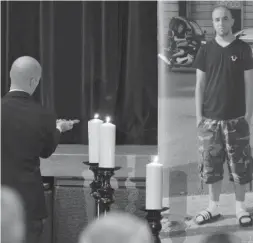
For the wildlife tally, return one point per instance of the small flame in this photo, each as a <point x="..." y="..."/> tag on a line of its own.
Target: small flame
<point x="96" y="116"/>
<point x="155" y="159"/>
<point x="107" y="119"/>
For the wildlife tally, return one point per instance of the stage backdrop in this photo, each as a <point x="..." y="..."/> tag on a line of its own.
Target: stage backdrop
<point x="96" y="57"/>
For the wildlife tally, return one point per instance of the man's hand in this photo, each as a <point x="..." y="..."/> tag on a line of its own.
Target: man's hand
<point x="65" y="125"/>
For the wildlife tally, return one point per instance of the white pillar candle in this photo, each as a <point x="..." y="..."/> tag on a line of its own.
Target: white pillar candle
<point x="154" y="185"/>
<point x="107" y="144"/>
<point x="94" y="138"/>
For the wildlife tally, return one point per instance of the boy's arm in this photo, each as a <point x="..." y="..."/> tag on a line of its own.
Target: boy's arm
<point x="200" y="65"/>
<point x="248" y="79"/>
<point x="199" y="93"/>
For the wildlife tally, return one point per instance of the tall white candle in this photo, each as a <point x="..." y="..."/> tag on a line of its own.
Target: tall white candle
<point x="154" y="184"/>
<point x="94" y="138"/>
<point x="107" y="144"/>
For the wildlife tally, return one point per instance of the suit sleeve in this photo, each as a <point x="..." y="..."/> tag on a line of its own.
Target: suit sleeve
<point x="200" y="60"/>
<point x="51" y="135"/>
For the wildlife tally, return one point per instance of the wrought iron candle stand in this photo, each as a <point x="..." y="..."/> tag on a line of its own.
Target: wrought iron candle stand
<point x="101" y="189"/>
<point x="154" y="220"/>
<point x="95" y="185"/>
<point x="105" y="191"/>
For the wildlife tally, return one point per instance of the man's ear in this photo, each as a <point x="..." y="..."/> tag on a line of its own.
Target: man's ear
<point x="31" y="82"/>
<point x="232" y="22"/>
<point x="34" y="81"/>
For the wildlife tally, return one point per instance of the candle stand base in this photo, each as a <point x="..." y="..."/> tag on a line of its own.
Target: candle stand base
<point x="106" y="192"/>
<point x="154" y="220"/>
<point x="101" y="189"/>
<point x="95" y="185"/>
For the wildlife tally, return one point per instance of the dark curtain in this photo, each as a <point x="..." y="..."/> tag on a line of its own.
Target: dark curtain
<point x="96" y="57"/>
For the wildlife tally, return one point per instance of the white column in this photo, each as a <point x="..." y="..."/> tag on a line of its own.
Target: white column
<point x="164" y="107"/>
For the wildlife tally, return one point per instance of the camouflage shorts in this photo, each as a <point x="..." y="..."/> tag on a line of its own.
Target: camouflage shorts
<point x="221" y="141"/>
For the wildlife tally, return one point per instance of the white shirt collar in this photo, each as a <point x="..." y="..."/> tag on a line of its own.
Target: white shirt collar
<point x="19" y="90"/>
<point x="11" y="90"/>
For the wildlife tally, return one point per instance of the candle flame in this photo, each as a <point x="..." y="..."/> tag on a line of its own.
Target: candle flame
<point x="155" y="159"/>
<point x="96" y="116"/>
<point x="108" y="119"/>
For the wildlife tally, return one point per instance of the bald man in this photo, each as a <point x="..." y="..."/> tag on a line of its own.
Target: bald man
<point x="29" y="132"/>
<point x="117" y="227"/>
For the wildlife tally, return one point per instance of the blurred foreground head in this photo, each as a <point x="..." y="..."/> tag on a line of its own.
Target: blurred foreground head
<point x="117" y="227"/>
<point x="12" y="217"/>
<point x="25" y="74"/>
<point x="220" y="237"/>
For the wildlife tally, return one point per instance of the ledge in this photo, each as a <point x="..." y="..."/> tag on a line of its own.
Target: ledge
<point x="67" y="161"/>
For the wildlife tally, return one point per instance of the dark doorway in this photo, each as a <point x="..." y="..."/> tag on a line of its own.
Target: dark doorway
<point x="236" y="13"/>
<point x="182" y="8"/>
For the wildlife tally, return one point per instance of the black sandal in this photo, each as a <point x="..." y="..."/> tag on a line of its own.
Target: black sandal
<point x="207" y="217"/>
<point x="244" y="215"/>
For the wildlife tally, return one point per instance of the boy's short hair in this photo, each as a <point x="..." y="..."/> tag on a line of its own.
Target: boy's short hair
<point x="221" y="6"/>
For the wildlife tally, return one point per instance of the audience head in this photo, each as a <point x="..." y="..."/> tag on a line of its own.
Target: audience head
<point x="117" y="227"/>
<point x="12" y="217"/>
<point x="25" y="74"/>
<point x="221" y="237"/>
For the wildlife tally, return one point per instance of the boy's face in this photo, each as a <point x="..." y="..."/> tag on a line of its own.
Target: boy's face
<point x="222" y="21"/>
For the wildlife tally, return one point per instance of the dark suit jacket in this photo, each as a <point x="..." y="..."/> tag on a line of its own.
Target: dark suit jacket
<point x="28" y="133"/>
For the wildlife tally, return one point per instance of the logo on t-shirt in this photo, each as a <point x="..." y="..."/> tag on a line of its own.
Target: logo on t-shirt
<point x="233" y="58"/>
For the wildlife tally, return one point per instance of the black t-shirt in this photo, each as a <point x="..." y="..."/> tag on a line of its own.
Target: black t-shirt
<point x="224" y="96"/>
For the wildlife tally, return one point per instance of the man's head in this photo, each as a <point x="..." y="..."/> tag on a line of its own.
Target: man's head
<point x="115" y="228"/>
<point x="25" y="74"/>
<point x="222" y="20"/>
<point x="12" y="217"/>
<point x="220" y="237"/>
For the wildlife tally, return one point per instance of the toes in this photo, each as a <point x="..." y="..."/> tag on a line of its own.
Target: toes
<point x="199" y="219"/>
<point x="245" y="220"/>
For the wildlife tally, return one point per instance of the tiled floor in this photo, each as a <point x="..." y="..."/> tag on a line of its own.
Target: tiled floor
<point x="177" y="229"/>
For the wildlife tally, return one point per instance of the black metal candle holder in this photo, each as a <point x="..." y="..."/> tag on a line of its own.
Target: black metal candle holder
<point x="154" y="218"/>
<point x="95" y="185"/>
<point x="106" y="192"/>
<point x="101" y="189"/>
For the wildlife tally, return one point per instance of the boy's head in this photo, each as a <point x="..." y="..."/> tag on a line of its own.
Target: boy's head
<point x="222" y="20"/>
